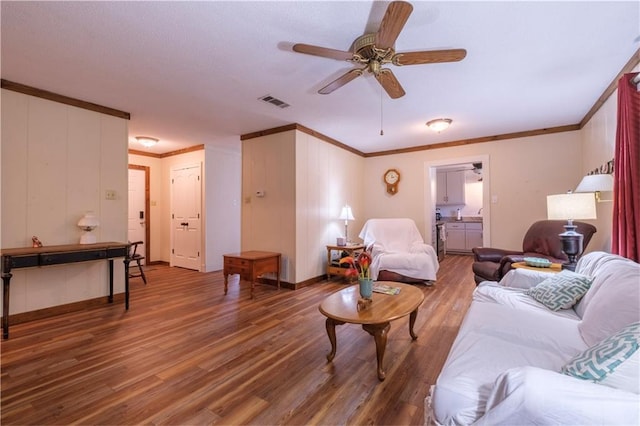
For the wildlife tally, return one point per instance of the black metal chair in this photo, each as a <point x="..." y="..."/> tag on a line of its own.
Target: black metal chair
<point x="134" y="256"/>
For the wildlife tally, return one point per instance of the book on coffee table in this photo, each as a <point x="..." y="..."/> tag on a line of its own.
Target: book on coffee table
<point x="386" y="289"/>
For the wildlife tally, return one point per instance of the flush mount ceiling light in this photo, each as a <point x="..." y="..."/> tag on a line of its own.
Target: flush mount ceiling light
<point x="147" y="141"/>
<point x="439" y="124"/>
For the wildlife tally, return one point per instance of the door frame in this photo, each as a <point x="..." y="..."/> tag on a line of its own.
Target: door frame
<point x="147" y="208"/>
<point x="430" y="168"/>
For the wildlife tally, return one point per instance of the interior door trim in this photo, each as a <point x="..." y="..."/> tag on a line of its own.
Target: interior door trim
<point x="147" y="208"/>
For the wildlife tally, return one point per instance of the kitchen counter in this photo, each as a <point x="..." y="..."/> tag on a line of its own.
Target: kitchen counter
<point x="465" y="219"/>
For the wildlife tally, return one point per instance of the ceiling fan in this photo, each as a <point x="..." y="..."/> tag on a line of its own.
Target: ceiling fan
<point x="377" y="49"/>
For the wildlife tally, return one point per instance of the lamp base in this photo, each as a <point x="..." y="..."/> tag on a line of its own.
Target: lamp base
<point x="571" y="245"/>
<point x="88" y="238"/>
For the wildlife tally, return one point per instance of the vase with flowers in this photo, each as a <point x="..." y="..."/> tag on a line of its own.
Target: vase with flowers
<point x="360" y="267"/>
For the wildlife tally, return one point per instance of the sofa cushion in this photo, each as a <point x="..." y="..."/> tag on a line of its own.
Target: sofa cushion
<point x="561" y="291"/>
<point x="613" y="301"/>
<point x="615" y="359"/>
<point x="489" y="291"/>
<point x="493" y="338"/>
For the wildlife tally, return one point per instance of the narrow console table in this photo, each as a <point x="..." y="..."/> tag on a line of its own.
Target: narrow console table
<point x="27" y="257"/>
<point x="250" y="265"/>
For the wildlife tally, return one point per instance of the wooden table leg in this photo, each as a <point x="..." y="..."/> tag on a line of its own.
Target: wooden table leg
<point x="412" y="320"/>
<point x="6" y="282"/>
<point x="226" y="281"/>
<point x="379" y="333"/>
<point x="330" y="324"/>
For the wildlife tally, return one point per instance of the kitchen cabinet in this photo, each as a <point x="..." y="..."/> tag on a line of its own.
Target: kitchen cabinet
<point x="456" y="238"/>
<point x="473" y="235"/>
<point x="450" y="188"/>
<point x="463" y="236"/>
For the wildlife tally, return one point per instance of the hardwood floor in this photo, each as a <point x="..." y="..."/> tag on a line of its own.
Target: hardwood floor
<point x="187" y="354"/>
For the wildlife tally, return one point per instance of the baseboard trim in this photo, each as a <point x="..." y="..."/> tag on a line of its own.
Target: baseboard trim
<point x="64" y="309"/>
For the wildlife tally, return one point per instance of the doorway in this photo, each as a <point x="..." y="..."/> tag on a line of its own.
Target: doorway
<point x="138" y="220"/>
<point x="430" y="176"/>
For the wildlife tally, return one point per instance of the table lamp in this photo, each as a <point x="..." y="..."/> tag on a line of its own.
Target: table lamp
<point x="571" y="206"/>
<point x="88" y="223"/>
<point x="346" y="215"/>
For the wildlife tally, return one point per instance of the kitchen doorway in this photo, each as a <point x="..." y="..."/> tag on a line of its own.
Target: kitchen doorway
<point x="431" y="174"/>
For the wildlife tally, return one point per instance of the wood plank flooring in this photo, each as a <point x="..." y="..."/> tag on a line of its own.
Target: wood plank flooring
<point x="187" y="354"/>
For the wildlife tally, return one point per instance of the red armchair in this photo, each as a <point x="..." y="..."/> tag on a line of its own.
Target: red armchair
<point x="541" y="240"/>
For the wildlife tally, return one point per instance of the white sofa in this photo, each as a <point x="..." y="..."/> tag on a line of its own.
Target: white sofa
<point x="506" y="363"/>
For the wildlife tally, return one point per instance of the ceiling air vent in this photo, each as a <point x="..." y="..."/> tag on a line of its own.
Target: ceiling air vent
<point x="274" y="101"/>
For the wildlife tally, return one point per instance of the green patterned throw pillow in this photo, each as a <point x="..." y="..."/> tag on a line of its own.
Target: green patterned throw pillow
<point x="561" y="291"/>
<point x="615" y="355"/>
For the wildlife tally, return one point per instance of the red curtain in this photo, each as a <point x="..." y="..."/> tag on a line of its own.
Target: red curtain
<point x="625" y="239"/>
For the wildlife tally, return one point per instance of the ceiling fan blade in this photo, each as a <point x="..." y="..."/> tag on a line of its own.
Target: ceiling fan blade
<point x="341" y="81"/>
<point x="392" y="23"/>
<point x="429" y="57"/>
<point x="390" y="83"/>
<point x="322" y="51"/>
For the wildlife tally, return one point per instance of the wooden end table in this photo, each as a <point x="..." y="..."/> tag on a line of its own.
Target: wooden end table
<point x="250" y="265"/>
<point x="341" y="307"/>
<point x="554" y="268"/>
<point x="351" y="249"/>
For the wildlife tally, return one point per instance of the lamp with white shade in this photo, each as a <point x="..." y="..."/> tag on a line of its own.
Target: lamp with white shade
<point x="88" y="223"/>
<point x="346" y="214"/>
<point x="569" y="207"/>
<point x="596" y="184"/>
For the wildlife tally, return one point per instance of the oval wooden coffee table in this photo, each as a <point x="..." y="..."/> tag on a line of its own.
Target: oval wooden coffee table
<point x="341" y="308"/>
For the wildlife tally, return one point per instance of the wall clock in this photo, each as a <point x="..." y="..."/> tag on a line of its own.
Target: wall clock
<point x="391" y="178"/>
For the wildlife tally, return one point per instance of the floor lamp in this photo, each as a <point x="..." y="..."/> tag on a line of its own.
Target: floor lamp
<point x="569" y="207"/>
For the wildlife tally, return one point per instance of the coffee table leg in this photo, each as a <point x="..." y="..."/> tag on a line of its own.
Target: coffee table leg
<point x="379" y="333"/>
<point x="412" y="320"/>
<point x="330" y="324"/>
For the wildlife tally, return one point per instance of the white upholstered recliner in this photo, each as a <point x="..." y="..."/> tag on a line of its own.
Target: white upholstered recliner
<point x="398" y="251"/>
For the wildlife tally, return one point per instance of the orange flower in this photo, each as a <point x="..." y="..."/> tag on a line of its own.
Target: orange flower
<point x="358" y="267"/>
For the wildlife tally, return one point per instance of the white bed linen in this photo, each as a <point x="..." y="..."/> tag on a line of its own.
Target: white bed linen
<point x="523" y="278"/>
<point x="397" y="246"/>
<point x="490" y="291"/>
<point x="529" y="395"/>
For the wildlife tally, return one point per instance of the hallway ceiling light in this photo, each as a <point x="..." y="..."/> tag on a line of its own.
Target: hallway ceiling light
<point x="147" y="141"/>
<point x="439" y="124"/>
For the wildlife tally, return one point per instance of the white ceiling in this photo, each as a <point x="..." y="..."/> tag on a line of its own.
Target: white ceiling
<point x="192" y="72"/>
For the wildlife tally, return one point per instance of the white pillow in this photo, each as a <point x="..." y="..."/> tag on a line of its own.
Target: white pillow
<point x="613" y="362"/>
<point x="561" y="290"/>
<point x="612" y="302"/>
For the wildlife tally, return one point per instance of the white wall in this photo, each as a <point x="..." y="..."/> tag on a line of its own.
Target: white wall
<point x="222" y="197"/>
<point x="269" y="222"/>
<point x="327" y="178"/>
<point x="57" y="163"/>
<point x="306" y="183"/>
<point x="522" y="173"/>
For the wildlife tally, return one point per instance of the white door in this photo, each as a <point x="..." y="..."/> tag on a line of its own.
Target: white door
<point x="137" y="218"/>
<point x="185" y="217"/>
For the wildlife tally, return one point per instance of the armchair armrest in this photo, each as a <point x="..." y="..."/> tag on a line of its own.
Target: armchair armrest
<point x="530" y="395"/>
<point x="489" y="254"/>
